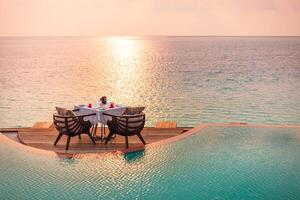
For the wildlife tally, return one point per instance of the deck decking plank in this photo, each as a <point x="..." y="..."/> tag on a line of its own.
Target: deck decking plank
<point x="43" y="138"/>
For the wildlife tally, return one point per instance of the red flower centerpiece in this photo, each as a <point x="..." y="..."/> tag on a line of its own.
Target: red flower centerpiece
<point x="111" y="105"/>
<point x="103" y="99"/>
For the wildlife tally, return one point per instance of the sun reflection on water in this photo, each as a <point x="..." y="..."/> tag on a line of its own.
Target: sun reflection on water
<point x="126" y="56"/>
<point x="187" y="80"/>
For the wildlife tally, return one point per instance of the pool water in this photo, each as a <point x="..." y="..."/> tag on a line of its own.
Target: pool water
<point x="216" y="163"/>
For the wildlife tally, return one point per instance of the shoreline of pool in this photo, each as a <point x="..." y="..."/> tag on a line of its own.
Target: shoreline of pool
<point x="196" y="130"/>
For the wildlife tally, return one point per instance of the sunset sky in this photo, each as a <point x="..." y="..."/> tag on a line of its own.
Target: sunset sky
<point x="149" y="17"/>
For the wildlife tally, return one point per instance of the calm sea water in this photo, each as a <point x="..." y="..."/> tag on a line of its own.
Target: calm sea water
<point x="190" y="80"/>
<point x="219" y="163"/>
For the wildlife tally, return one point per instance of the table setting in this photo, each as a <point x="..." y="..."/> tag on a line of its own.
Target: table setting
<point x="103" y="105"/>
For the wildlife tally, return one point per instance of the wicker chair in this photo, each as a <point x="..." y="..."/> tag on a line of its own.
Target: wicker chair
<point x="72" y="126"/>
<point x="126" y="125"/>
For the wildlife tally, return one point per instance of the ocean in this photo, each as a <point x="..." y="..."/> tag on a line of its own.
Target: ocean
<point x="190" y="80"/>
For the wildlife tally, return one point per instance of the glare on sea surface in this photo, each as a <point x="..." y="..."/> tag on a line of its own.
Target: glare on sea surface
<point x="189" y="80"/>
<point x="124" y="50"/>
<point x="124" y="47"/>
<point x="126" y="61"/>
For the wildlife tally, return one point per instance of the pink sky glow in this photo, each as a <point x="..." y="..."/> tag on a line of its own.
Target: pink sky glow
<point x="149" y="17"/>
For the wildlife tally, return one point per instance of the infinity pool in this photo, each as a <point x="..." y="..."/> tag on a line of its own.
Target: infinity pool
<point x="216" y="163"/>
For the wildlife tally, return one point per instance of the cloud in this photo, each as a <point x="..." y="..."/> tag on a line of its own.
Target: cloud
<point x="255" y="4"/>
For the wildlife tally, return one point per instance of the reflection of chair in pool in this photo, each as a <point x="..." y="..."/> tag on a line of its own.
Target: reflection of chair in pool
<point x="126" y="125"/>
<point x="134" y="156"/>
<point x="72" y="126"/>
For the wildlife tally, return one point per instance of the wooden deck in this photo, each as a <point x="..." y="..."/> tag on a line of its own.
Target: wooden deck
<point x="43" y="138"/>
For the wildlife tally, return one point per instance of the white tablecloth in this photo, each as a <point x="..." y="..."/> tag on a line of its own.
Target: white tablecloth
<point x="99" y="117"/>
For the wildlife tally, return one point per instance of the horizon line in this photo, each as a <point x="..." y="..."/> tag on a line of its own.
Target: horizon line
<point x="28" y="36"/>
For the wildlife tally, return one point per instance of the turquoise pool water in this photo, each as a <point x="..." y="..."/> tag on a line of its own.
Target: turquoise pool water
<point x="218" y="163"/>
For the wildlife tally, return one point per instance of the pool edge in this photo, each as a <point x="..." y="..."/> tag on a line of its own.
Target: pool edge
<point x="4" y="139"/>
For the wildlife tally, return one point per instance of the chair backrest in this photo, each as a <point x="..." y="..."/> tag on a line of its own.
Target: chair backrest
<point x="128" y="124"/>
<point x="69" y="125"/>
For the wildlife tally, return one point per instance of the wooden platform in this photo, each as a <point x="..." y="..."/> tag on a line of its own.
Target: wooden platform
<point x="166" y="124"/>
<point x="43" y="138"/>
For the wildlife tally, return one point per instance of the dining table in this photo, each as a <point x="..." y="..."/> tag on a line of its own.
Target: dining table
<point x="99" y="109"/>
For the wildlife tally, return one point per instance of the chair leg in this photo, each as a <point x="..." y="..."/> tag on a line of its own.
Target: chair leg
<point x="79" y="137"/>
<point x="126" y="140"/>
<point x="68" y="142"/>
<point x="57" y="139"/>
<point x="89" y="134"/>
<point x="92" y="130"/>
<point x="141" y="138"/>
<point x="108" y="137"/>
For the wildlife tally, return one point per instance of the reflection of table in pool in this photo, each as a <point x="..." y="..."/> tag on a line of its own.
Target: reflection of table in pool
<point x="99" y="117"/>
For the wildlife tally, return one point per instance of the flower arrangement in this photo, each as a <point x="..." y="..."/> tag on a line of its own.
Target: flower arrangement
<point x="111" y="105"/>
<point x="103" y="99"/>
